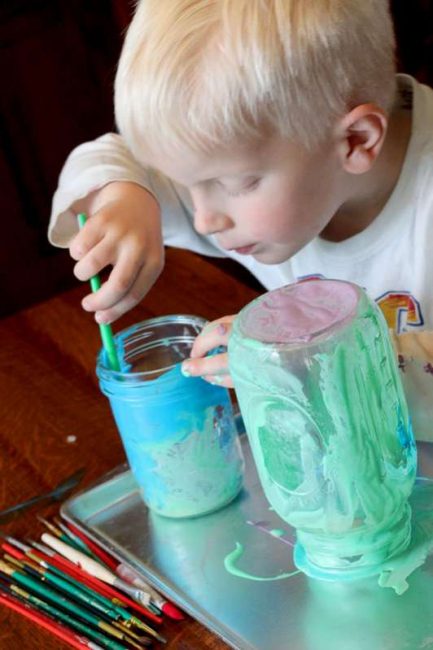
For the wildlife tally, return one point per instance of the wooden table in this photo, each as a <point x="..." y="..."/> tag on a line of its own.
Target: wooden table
<point x="49" y="396"/>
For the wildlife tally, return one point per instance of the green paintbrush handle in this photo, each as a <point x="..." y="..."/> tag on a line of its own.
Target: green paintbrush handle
<point x="74" y="623"/>
<point x="115" y="609"/>
<point x="105" y="330"/>
<point x="65" y="603"/>
<point x="80" y="594"/>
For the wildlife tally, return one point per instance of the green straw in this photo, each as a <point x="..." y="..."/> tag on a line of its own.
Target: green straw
<point x="106" y="331"/>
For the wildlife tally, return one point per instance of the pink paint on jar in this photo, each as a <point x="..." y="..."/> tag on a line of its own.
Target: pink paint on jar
<point x="299" y="312"/>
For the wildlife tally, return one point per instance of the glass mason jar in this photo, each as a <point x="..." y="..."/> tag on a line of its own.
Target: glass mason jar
<point x="327" y="420"/>
<point x="178" y="432"/>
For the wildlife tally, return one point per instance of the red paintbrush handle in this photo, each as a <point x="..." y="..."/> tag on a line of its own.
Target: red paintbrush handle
<point x="99" y="552"/>
<point x="12" y="550"/>
<point x="42" y="620"/>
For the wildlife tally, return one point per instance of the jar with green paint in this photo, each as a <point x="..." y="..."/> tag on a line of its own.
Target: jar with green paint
<point x="325" y="413"/>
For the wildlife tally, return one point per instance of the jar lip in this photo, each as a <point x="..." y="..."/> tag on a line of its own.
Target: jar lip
<point x="103" y="372"/>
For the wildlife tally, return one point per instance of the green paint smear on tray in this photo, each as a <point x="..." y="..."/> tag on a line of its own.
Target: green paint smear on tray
<point x="393" y="573"/>
<point x="230" y="565"/>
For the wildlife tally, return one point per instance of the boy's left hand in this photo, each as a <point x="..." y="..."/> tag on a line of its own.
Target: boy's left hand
<point x="214" y="368"/>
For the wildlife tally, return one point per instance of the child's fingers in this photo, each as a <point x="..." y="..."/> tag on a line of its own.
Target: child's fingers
<point x="214" y="368"/>
<point x="206" y="366"/>
<point x="115" y="288"/>
<point x="94" y="261"/>
<point x="219" y="380"/>
<point x="213" y="335"/>
<point x="141" y="284"/>
<point x="87" y="238"/>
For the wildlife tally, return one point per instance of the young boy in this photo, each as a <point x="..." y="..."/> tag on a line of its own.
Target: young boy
<point x="274" y="132"/>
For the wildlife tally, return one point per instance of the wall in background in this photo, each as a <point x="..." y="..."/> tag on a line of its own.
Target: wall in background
<point x="413" y="21"/>
<point x="57" y="63"/>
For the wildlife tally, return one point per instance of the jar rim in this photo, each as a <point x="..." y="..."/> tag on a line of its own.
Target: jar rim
<point x="105" y="373"/>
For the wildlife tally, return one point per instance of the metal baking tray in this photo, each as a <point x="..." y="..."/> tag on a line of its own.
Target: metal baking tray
<point x="184" y="559"/>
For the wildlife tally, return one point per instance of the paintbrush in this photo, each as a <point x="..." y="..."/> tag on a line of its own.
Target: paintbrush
<point x="98" y="571"/>
<point x="94" y="568"/>
<point x="59" y="600"/>
<point x="67" y="587"/>
<point x="62" y="563"/>
<point x="134" y="578"/>
<point x="72" y="572"/>
<point x="74" y="588"/>
<point x="75" y="540"/>
<point x="99" y="605"/>
<point x="48" y="622"/>
<point x="57" y="494"/>
<point x="105" y="329"/>
<point x="130" y="576"/>
<point x="55" y="530"/>
<point x="102" y="555"/>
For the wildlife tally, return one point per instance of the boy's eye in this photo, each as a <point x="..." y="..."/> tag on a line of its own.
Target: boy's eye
<point x="248" y="187"/>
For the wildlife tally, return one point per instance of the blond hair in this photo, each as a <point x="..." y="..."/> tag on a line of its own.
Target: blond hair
<point x="202" y="74"/>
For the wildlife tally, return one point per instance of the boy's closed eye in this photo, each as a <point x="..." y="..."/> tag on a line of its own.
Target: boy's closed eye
<point x="246" y="187"/>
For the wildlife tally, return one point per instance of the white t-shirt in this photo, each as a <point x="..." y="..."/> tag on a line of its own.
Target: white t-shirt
<point x="391" y="258"/>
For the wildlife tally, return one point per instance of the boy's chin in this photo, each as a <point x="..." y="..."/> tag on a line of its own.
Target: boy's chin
<point x="267" y="256"/>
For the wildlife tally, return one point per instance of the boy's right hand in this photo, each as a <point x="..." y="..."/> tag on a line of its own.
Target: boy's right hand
<point x="123" y="230"/>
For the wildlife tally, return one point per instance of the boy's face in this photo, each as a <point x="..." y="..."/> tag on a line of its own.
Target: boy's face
<point x="267" y="200"/>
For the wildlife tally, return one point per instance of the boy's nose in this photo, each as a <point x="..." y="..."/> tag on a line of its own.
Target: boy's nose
<point x="210" y="222"/>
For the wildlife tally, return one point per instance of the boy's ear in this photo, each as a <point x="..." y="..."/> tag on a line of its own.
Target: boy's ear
<point x="361" y="136"/>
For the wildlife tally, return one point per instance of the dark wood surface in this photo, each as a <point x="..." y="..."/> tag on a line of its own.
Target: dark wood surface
<point x="49" y="391"/>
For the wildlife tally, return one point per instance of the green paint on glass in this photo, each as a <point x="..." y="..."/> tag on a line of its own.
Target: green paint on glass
<point x="328" y="424"/>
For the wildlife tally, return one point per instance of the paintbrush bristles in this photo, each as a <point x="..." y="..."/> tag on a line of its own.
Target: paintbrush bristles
<point x="146" y="628"/>
<point x="123" y="626"/>
<point x="51" y="527"/>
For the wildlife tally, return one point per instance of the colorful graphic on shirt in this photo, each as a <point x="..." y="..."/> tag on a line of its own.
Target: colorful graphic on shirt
<point x="401" y="310"/>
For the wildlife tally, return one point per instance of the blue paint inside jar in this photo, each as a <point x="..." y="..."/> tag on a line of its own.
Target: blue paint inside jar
<point x="178" y="432"/>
